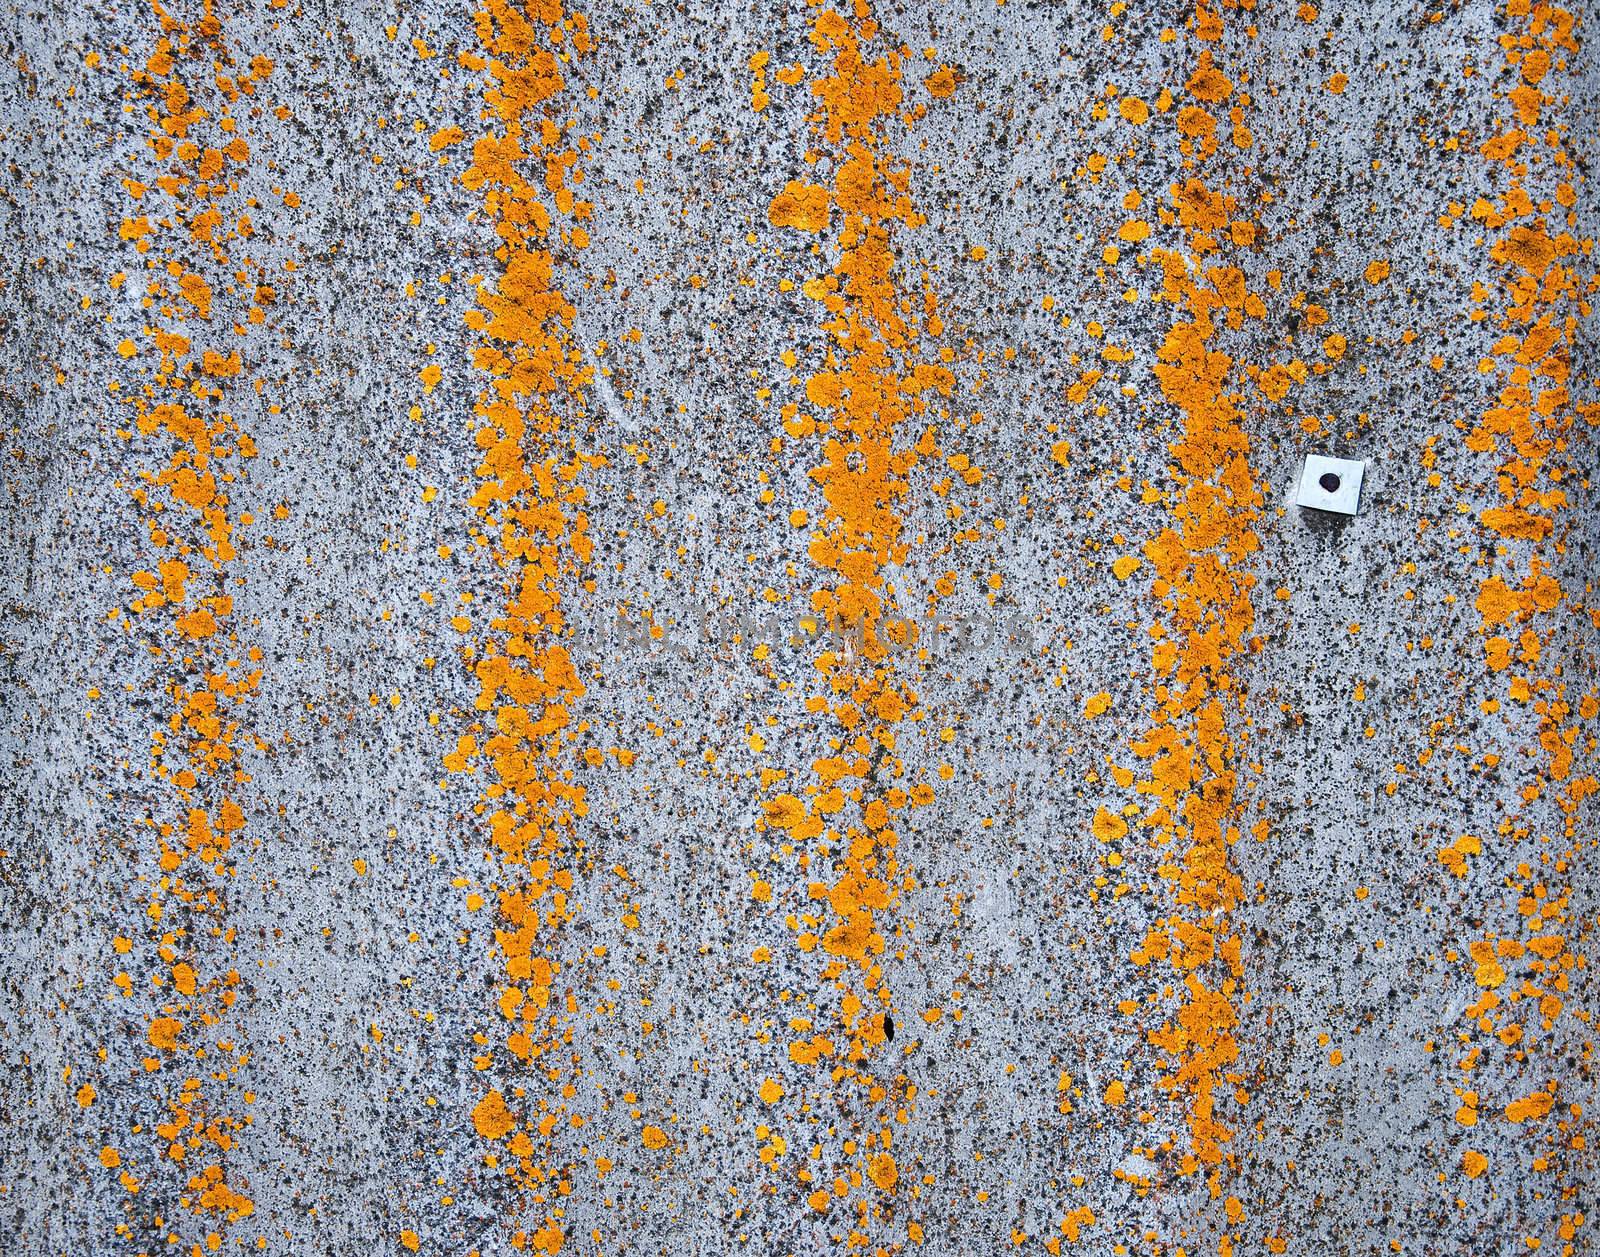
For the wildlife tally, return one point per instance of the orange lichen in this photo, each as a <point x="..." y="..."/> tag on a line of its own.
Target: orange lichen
<point x="1538" y="307"/>
<point x="653" y="1137"/>
<point x="1202" y="577"/>
<point x="530" y="503"/>
<point x="183" y="421"/>
<point x="870" y="402"/>
<point x="802" y="206"/>
<point x="491" y="1117"/>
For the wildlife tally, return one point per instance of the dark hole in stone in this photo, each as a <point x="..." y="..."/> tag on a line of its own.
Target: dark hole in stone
<point x="1329" y="482"/>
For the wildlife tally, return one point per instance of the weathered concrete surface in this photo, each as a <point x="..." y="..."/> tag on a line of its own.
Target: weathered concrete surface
<point x="1366" y="749"/>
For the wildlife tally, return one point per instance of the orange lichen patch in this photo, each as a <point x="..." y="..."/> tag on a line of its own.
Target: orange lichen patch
<point x="1454" y="857"/>
<point x="942" y="83"/>
<point x="654" y="1137"/>
<point x="1529" y="1107"/>
<point x="198" y="301"/>
<point x="1200" y="560"/>
<point x="870" y="400"/>
<point x="1072" y="1226"/>
<point x="1109" y="827"/>
<point x="163" y="1032"/>
<point x="802" y="206"/>
<point x="757" y="65"/>
<point x="1489" y="972"/>
<point x="1207" y="83"/>
<point x="491" y="1117"/>
<point x="446" y="137"/>
<point x="530" y="507"/>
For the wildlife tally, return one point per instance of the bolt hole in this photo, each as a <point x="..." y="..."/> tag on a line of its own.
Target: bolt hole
<point x="1329" y="482"/>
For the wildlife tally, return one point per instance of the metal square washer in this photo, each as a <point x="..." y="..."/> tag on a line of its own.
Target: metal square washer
<point x="1331" y="484"/>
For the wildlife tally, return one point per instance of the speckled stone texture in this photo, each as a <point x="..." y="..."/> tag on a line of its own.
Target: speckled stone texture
<point x="1359" y="737"/>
